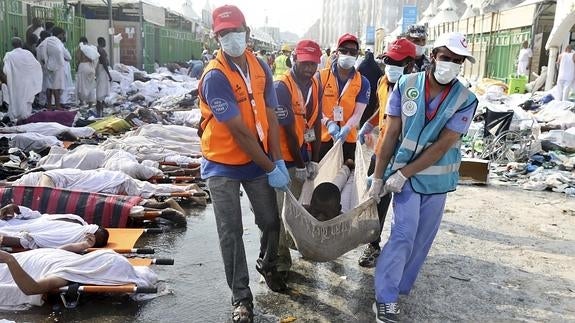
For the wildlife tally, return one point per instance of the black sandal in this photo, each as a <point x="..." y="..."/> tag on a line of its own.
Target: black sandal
<point x="243" y="313"/>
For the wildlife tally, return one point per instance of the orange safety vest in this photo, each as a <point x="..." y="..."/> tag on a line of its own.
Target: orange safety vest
<point x="330" y="100"/>
<point x="300" y="112"/>
<point x="382" y="97"/>
<point x="218" y="144"/>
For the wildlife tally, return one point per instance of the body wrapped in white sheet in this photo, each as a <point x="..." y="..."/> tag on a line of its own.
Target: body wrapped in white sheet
<point x="327" y="240"/>
<point x="36" y="230"/>
<point x="101" y="267"/>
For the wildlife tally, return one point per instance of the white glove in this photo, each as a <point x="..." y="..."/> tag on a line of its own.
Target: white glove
<point x="375" y="189"/>
<point x="395" y="182"/>
<point x="301" y="174"/>
<point x="312" y="170"/>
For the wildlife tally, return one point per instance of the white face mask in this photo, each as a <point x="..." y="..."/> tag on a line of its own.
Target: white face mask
<point x="419" y="50"/>
<point x="393" y="73"/>
<point x="345" y="61"/>
<point x="445" y="72"/>
<point x="234" y="44"/>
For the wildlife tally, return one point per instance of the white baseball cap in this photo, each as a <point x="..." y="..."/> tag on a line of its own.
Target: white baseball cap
<point x="456" y="43"/>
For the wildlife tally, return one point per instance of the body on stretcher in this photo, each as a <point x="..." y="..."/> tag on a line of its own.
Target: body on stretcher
<point x="70" y="295"/>
<point x="327" y="240"/>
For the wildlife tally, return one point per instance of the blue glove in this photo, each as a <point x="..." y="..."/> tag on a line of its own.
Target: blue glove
<point x="365" y="129"/>
<point x="280" y="163"/>
<point x="333" y="129"/>
<point x="343" y="133"/>
<point x="369" y="181"/>
<point x="277" y="179"/>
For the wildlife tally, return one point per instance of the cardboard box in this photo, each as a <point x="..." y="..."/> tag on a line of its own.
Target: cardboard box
<point x="473" y="171"/>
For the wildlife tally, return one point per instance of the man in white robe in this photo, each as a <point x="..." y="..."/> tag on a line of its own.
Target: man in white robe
<point x="86" y="58"/>
<point x="56" y="57"/>
<point x="24" y="80"/>
<point x="103" y="77"/>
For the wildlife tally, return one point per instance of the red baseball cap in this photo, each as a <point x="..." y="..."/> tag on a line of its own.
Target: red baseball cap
<point x="400" y="49"/>
<point x="347" y="37"/>
<point x="227" y="17"/>
<point x="308" y="51"/>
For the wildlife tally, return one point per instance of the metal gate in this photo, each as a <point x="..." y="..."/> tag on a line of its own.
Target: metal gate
<point x="12" y="23"/>
<point x="505" y="48"/>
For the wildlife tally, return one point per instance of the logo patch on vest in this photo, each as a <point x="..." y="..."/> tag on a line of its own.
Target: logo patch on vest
<point x="219" y="106"/>
<point x="409" y="108"/>
<point x="412" y="93"/>
<point x="281" y="112"/>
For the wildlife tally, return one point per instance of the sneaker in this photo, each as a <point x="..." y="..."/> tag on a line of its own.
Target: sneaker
<point x="386" y="312"/>
<point x="243" y="312"/>
<point x="369" y="256"/>
<point x="273" y="278"/>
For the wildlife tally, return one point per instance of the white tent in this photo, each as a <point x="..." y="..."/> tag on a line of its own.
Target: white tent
<point x="446" y="13"/>
<point x="428" y="14"/>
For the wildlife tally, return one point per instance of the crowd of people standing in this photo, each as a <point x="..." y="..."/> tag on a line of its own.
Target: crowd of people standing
<point x="38" y="69"/>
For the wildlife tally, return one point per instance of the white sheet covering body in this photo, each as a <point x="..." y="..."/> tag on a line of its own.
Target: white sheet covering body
<point x="24" y="77"/>
<point x="327" y="240"/>
<point x="101" y="267"/>
<point x="50" y="129"/>
<point x="46" y="231"/>
<point x="30" y="141"/>
<point x="87" y="157"/>
<point x="155" y="142"/>
<point x="102" y="181"/>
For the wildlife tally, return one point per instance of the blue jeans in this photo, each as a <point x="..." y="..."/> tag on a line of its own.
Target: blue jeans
<point x="416" y="219"/>
<point x="225" y="195"/>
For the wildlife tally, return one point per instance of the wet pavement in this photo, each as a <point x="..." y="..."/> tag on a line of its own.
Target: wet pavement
<point x="195" y="289"/>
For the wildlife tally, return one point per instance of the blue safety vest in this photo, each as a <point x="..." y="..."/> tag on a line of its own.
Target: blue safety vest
<point x="417" y="134"/>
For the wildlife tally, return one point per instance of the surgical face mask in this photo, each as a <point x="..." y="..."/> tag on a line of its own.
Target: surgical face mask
<point x="234" y="44"/>
<point x="346" y="62"/>
<point x="445" y="72"/>
<point x="393" y="73"/>
<point x="419" y="50"/>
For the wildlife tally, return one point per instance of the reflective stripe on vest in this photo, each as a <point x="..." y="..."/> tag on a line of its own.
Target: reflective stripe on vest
<point x="417" y="134"/>
<point x="298" y="106"/>
<point x="218" y="144"/>
<point x="331" y="96"/>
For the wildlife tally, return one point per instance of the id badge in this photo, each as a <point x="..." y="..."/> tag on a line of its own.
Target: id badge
<point x="309" y="135"/>
<point x="338" y="113"/>
<point x="260" y="131"/>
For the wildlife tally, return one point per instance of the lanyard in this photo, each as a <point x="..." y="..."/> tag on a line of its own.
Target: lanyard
<point x="248" y="83"/>
<point x="343" y="90"/>
<point x="303" y="111"/>
<point x="431" y="114"/>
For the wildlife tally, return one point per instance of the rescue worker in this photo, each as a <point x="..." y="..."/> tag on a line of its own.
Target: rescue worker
<point x="398" y="61"/>
<point x="345" y="94"/>
<point x="282" y="62"/>
<point x="300" y="120"/>
<point x="417" y="34"/>
<point x="427" y="114"/>
<point x="240" y="145"/>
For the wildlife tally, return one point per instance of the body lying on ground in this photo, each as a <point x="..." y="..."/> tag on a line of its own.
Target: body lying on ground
<point x="22" y="227"/>
<point x="30" y="274"/>
<point x="101" y="181"/>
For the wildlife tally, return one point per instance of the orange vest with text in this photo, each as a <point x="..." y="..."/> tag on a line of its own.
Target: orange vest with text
<point x="330" y="99"/>
<point x="300" y="112"/>
<point x="217" y="142"/>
